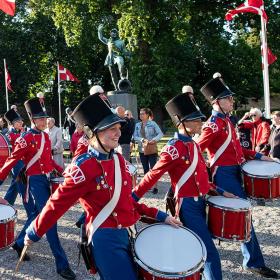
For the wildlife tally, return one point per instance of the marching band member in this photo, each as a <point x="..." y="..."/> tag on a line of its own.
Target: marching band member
<point x="182" y="159"/>
<point x="17" y="185"/>
<point x="226" y="155"/>
<point x="34" y="148"/>
<point x="101" y="180"/>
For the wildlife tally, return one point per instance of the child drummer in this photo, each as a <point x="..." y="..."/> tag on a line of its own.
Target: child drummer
<point x="182" y="159"/>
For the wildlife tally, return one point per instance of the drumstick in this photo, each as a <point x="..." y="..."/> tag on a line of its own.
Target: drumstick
<point x="23" y="253"/>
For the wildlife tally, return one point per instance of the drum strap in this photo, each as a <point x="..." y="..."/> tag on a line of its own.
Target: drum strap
<point x="32" y="161"/>
<point x="187" y="174"/>
<point x="110" y="206"/>
<point x="220" y="151"/>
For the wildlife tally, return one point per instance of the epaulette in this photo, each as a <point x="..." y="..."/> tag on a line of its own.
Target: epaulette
<point x="172" y="141"/>
<point x="82" y="158"/>
<point x="170" y="149"/>
<point x="213" y="119"/>
<point x="23" y="134"/>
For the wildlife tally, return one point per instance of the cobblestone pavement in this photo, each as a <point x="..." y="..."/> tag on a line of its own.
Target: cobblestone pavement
<point x="41" y="267"/>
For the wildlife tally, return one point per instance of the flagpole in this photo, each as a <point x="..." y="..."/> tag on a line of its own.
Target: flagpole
<point x="7" y="98"/>
<point x="265" y="69"/>
<point x="59" y="97"/>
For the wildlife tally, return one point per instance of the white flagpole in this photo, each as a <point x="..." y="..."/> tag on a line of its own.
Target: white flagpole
<point x="7" y="98"/>
<point x="265" y="69"/>
<point x="59" y="98"/>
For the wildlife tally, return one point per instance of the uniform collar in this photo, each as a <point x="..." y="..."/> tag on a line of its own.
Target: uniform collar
<point x="97" y="154"/>
<point x="35" y="131"/>
<point x="219" y="114"/>
<point x="182" y="137"/>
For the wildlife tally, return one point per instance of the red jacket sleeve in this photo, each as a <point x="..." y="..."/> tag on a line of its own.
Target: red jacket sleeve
<point x="163" y="164"/>
<point x="206" y="138"/>
<point x="265" y="133"/>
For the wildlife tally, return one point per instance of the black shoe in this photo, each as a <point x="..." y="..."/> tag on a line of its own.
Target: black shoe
<point x="78" y="224"/>
<point x="155" y="191"/>
<point x="19" y="250"/>
<point x="260" y="202"/>
<point x="264" y="271"/>
<point x="67" y="273"/>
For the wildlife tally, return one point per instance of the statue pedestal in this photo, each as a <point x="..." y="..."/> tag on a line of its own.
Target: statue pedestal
<point x="125" y="99"/>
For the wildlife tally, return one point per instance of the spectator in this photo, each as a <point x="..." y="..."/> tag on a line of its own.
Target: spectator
<point x="3" y="127"/>
<point x="79" y="132"/>
<point x="274" y="140"/>
<point x="69" y="122"/>
<point x="259" y="128"/>
<point x="55" y="134"/>
<point x="147" y="132"/>
<point x="126" y="133"/>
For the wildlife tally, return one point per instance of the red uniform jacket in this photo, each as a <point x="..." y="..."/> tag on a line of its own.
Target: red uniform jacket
<point x="214" y="134"/>
<point x="13" y="135"/>
<point x="260" y="132"/>
<point x="82" y="146"/>
<point x="26" y="146"/>
<point x="92" y="182"/>
<point x="175" y="158"/>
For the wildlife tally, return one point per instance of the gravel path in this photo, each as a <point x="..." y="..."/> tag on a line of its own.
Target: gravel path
<point x="266" y="222"/>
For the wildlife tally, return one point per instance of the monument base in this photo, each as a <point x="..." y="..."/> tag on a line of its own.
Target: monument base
<point x="125" y="99"/>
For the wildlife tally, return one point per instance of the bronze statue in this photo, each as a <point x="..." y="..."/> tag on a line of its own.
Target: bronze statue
<point x="117" y="53"/>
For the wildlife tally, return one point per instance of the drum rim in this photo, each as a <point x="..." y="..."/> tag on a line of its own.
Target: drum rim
<point x="229" y="208"/>
<point x="257" y="176"/>
<point x="13" y="218"/>
<point x="232" y="239"/>
<point x="167" y="275"/>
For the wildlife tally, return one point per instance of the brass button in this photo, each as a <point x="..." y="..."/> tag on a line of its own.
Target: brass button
<point x="195" y="173"/>
<point x="119" y="226"/>
<point x="105" y="173"/>
<point x="115" y="214"/>
<point x="125" y="183"/>
<point x="110" y="188"/>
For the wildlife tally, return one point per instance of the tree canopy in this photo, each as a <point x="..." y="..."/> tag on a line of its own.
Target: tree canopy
<point x="172" y="43"/>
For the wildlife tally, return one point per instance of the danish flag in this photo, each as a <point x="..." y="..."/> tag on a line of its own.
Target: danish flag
<point x="250" y="6"/>
<point x="65" y="74"/>
<point x="8" y="6"/>
<point x="8" y="78"/>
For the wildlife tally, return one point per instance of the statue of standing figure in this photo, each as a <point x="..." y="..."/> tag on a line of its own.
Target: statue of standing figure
<point x="117" y="53"/>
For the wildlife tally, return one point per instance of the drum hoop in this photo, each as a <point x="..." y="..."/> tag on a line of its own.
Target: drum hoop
<point x="13" y="218"/>
<point x="232" y="239"/>
<point x="167" y="275"/>
<point x="229" y="208"/>
<point x="258" y="176"/>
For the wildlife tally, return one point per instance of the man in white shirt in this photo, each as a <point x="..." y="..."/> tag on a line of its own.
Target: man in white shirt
<point x="55" y="134"/>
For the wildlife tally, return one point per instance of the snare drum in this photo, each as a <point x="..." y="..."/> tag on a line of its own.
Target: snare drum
<point x="7" y="225"/>
<point x="229" y="218"/>
<point x="55" y="183"/>
<point x="165" y="252"/>
<point x="261" y="179"/>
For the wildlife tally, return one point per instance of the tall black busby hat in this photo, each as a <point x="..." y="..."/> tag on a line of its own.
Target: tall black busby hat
<point x="183" y="108"/>
<point x="216" y="89"/>
<point x="12" y="116"/>
<point x="94" y="114"/>
<point x="35" y="108"/>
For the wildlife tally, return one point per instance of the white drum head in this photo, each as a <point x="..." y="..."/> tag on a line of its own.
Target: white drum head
<point x="232" y="203"/>
<point x="6" y="212"/>
<point x="261" y="168"/>
<point x="57" y="180"/>
<point x="167" y="249"/>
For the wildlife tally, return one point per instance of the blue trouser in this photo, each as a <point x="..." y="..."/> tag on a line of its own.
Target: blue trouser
<point x="40" y="190"/>
<point x="18" y="187"/>
<point x="13" y="190"/>
<point x="193" y="216"/>
<point x="229" y="179"/>
<point x="148" y="161"/>
<point x="112" y="254"/>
